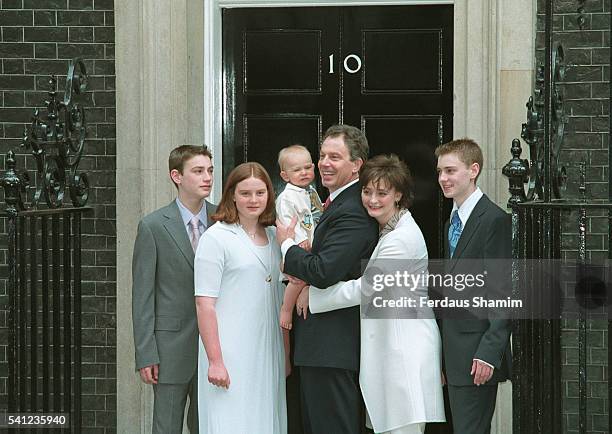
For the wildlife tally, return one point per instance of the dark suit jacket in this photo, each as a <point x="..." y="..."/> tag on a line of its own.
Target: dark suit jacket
<point x="345" y="236"/>
<point x="486" y="238"/>
<point x="163" y="303"/>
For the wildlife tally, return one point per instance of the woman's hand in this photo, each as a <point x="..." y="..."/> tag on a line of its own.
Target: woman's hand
<point x="301" y="305"/>
<point x="217" y="375"/>
<point x="295" y="280"/>
<point x="209" y="333"/>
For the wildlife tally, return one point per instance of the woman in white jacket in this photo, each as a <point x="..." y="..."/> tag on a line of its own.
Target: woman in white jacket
<point x="400" y="372"/>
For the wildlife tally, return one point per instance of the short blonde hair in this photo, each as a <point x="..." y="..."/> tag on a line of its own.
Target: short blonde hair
<point x="467" y="151"/>
<point x="282" y="155"/>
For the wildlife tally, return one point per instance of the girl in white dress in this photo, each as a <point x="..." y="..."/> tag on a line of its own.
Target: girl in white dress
<point x="242" y="368"/>
<point x="400" y="368"/>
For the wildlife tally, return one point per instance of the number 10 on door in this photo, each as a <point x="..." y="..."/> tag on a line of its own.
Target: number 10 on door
<point x="352" y="68"/>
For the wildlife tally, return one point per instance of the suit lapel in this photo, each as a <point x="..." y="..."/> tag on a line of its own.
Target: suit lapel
<point x="210" y="210"/>
<point x="329" y="211"/>
<point x="333" y="206"/>
<point x="176" y="229"/>
<point x="446" y="246"/>
<point x="470" y="229"/>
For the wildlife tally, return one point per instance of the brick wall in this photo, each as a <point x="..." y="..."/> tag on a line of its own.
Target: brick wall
<point x="586" y="90"/>
<point x="37" y="38"/>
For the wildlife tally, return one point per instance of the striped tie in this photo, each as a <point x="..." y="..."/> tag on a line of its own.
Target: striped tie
<point x="195" y="232"/>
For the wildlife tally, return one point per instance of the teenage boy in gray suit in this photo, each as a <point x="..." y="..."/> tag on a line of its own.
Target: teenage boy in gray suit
<point x="476" y="351"/>
<point x="163" y="306"/>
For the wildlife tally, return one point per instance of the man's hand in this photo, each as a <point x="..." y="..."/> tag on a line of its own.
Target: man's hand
<point x="301" y="305"/>
<point x="149" y="374"/>
<point x="481" y="371"/>
<point x="305" y="245"/>
<point x="284" y="232"/>
<point x="218" y="375"/>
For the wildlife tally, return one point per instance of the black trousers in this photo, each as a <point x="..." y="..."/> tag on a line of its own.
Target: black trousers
<point x="330" y="401"/>
<point x="472" y="408"/>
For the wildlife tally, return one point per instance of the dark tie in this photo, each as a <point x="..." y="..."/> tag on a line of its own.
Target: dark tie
<point x="454" y="232"/>
<point x="327" y="202"/>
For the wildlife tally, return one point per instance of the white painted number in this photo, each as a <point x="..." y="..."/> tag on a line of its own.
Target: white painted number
<point x="348" y="69"/>
<point x="357" y="59"/>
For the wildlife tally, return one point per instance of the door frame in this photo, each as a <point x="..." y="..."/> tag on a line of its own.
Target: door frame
<point x="475" y="40"/>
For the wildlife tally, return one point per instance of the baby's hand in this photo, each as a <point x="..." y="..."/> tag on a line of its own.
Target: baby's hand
<point x="305" y="245"/>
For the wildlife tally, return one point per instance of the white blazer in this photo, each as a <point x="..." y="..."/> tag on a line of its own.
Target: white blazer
<point x="400" y="373"/>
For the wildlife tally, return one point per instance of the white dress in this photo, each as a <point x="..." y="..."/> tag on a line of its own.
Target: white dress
<point x="244" y="279"/>
<point x="400" y="361"/>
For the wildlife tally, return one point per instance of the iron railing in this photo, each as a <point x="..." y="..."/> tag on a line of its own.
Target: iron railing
<point x="44" y="258"/>
<point x="538" y="215"/>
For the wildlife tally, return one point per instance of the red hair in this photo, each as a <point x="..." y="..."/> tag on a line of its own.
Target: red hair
<point x="227" y="211"/>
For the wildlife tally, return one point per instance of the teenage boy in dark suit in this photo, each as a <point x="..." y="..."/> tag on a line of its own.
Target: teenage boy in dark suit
<point x="476" y="351"/>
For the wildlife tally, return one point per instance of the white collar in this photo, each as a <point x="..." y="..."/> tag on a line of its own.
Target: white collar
<point x="187" y="215"/>
<point x="404" y="219"/>
<point x="335" y="194"/>
<point x="290" y="186"/>
<point x="236" y="228"/>
<point x="466" y="208"/>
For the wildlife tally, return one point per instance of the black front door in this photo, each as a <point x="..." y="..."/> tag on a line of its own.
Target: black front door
<point x="289" y="73"/>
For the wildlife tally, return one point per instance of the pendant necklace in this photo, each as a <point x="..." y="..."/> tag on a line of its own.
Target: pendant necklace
<point x="251" y="235"/>
<point x="268" y="266"/>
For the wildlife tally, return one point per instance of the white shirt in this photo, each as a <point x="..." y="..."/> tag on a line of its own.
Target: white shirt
<point x="187" y="215"/>
<point x="336" y="193"/>
<point x="466" y="208"/>
<point x="295" y="201"/>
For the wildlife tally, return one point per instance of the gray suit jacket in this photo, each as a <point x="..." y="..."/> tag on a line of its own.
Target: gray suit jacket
<point x="163" y="304"/>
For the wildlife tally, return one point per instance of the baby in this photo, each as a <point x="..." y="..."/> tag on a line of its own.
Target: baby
<point x="298" y="199"/>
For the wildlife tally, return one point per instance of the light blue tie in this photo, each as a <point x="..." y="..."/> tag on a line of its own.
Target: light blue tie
<point x="454" y="232"/>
